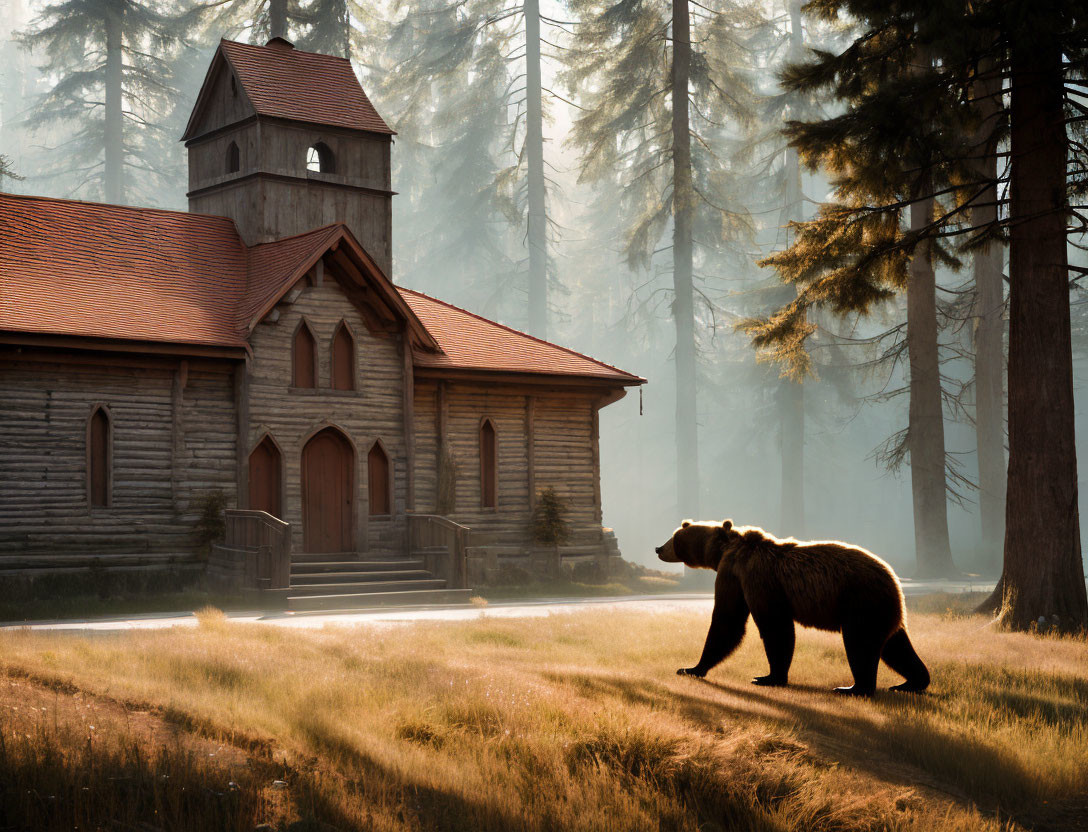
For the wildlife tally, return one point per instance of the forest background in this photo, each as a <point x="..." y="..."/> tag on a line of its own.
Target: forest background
<point x="598" y="274"/>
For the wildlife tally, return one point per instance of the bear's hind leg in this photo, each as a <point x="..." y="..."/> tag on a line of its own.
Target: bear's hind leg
<point x="777" y="631"/>
<point x="899" y="655"/>
<point x="863" y="654"/>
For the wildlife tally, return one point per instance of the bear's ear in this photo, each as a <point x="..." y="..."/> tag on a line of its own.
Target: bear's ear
<point x="685" y="524"/>
<point x="727" y="525"/>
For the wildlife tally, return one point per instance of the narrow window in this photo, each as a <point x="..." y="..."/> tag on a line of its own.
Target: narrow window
<point x="264" y="478"/>
<point x="99" y="458"/>
<point x="377" y="464"/>
<point x="489" y="474"/>
<point x="305" y="358"/>
<point x="319" y="159"/>
<point x="234" y="158"/>
<point x="343" y="359"/>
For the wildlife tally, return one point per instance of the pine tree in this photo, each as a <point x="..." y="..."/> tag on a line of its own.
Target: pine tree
<point x="463" y="83"/>
<point x="114" y="86"/>
<point x="856" y="253"/>
<point x="660" y="89"/>
<point x="774" y="170"/>
<point x="441" y="78"/>
<point x="989" y="342"/>
<point x="7" y="171"/>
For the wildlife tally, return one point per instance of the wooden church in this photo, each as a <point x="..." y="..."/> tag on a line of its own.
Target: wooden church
<point x="366" y="437"/>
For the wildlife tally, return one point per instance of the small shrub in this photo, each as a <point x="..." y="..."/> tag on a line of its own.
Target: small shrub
<point x="447" y="482"/>
<point x="549" y="525"/>
<point x="210" y="525"/>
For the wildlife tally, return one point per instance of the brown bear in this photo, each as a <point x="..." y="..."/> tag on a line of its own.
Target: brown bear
<point x="823" y="584"/>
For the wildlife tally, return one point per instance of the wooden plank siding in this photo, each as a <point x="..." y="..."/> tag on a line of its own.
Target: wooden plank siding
<point x="373" y="410"/>
<point x="171" y="442"/>
<point x="562" y="429"/>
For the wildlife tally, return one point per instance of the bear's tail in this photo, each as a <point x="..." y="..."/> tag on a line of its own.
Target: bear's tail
<point x="899" y="655"/>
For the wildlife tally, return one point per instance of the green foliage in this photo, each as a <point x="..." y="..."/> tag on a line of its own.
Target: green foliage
<point x="549" y="524"/>
<point x="446" y="503"/>
<point x="907" y="129"/>
<point x="210" y="525"/>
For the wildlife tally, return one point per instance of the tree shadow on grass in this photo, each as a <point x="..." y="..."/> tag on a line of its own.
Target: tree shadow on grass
<point x="900" y="741"/>
<point x="372" y="783"/>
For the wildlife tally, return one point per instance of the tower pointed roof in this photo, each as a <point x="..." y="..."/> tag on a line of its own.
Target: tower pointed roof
<point x="283" y="82"/>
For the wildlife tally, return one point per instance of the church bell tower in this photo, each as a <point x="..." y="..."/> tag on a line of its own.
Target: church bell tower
<point x="284" y="141"/>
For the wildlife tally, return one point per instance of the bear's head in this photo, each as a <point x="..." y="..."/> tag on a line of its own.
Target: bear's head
<point x="698" y="545"/>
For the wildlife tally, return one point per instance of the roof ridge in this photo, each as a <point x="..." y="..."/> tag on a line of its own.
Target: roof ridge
<point x="518" y="331"/>
<point x="150" y="209"/>
<point x="325" y="227"/>
<point x="294" y="49"/>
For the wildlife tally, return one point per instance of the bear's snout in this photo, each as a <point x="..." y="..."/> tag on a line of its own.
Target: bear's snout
<point x="658" y="549"/>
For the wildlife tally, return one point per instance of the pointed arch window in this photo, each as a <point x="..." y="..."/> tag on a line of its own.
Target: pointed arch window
<point x="234" y="158"/>
<point x="343" y="359"/>
<point x="379" y="485"/>
<point x="266" y="478"/>
<point x="319" y="159"/>
<point x="304" y="357"/>
<point x="99" y="458"/>
<point x="489" y="465"/>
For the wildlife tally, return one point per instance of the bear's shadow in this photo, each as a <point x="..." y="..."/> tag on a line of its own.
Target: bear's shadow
<point x="898" y="751"/>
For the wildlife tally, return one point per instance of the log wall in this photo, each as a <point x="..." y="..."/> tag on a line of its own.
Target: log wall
<point x="374" y="410"/>
<point x="173" y="441"/>
<point x="544" y="438"/>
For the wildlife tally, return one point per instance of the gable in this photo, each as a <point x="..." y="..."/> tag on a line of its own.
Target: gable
<point x="276" y="269"/>
<point x="222" y="100"/>
<point x="322" y="307"/>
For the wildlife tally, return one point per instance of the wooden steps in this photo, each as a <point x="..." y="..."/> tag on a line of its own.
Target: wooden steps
<point x="344" y="581"/>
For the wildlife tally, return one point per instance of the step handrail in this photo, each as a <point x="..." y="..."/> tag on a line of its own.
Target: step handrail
<point x="435" y="531"/>
<point x="267" y="541"/>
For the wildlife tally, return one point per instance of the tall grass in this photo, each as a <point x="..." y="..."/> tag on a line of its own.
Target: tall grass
<point x="572" y="722"/>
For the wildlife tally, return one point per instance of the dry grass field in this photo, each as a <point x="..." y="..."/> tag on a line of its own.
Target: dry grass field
<point x="576" y="721"/>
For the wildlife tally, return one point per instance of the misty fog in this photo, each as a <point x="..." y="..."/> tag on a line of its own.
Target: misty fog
<point x="460" y="234"/>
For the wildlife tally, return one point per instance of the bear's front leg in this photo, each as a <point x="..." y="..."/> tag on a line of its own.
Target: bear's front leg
<point x="727" y="624"/>
<point x="775" y="624"/>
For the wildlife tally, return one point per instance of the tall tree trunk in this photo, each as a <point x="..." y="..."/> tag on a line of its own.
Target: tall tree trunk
<point x="534" y="153"/>
<point x="277" y="18"/>
<point x="114" y="151"/>
<point x="344" y="25"/>
<point x="988" y="266"/>
<point x="1044" y="573"/>
<point x="683" y="308"/>
<point x="926" y="420"/>
<point x="792" y="393"/>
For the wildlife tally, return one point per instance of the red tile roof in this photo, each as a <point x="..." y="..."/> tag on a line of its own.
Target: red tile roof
<point x="86" y="269"/>
<point x="284" y="82"/>
<point x="272" y="264"/>
<point x="470" y="342"/>
<point x="106" y="271"/>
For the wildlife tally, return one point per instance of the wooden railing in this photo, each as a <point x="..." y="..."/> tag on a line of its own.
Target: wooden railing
<point x="258" y="546"/>
<point x="442" y="544"/>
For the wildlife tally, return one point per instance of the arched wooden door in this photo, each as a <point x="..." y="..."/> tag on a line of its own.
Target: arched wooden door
<point x="328" y="483"/>
<point x="264" y="478"/>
